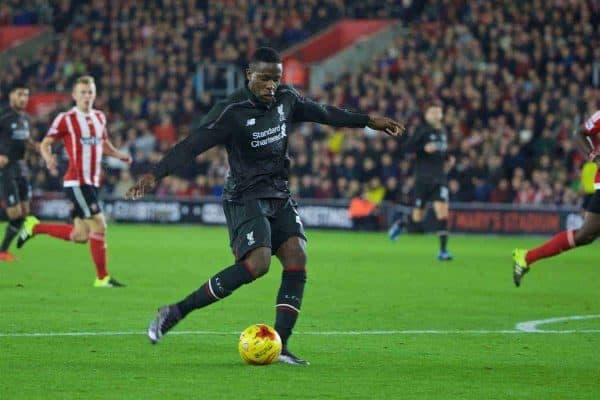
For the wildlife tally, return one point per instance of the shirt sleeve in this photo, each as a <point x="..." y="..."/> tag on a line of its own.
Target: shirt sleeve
<point x="415" y="142"/>
<point x="102" y="118"/>
<point x="592" y="125"/>
<point x="212" y="131"/>
<point x="4" y="137"/>
<point x="58" y="129"/>
<point x="306" y="110"/>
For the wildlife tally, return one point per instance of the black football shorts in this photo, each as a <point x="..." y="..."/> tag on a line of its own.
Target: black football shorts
<point x="261" y="223"/>
<point x="85" y="201"/>
<point x="426" y="192"/>
<point x="14" y="188"/>
<point x="593" y="205"/>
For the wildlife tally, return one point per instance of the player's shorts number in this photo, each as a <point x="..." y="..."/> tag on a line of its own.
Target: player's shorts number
<point x="444" y="195"/>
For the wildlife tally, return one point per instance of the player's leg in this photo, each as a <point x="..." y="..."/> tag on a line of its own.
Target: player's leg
<point x="14" y="213"/>
<point x="289" y="244"/>
<point x="15" y="221"/>
<point x="87" y="208"/>
<point x="77" y="232"/>
<point x="292" y="254"/>
<point x="254" y="265"/>
<point x="399" y="224"/>
<point x="563" y="241"/>
<point x="96" y="228"/>
<point x="250" y="240"/>
<point x="33" y="226"/>
<point x="422" y="194"/>
<point x="441" y="211"/>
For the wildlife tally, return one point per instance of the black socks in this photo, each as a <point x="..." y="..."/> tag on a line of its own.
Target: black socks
<point x="218" y="287"/>
<point x="12" y="229"/>
<point x="289" y="301"/>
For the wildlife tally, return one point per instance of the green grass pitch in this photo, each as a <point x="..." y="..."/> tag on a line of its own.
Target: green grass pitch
<point x="380" y="320"/>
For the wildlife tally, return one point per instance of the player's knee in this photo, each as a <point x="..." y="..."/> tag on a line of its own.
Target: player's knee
<point x="583" y="238"/>
<point x="97" y="225"/>
<point x="99" y="229"/>
<point x="259" y="261"/>
<point x="296" y="258"/>
<point x="80" y="236"/>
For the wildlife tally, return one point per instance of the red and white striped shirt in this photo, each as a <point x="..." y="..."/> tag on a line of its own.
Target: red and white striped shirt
<point x="591" y="128"/>
<point x="83" y="135"/>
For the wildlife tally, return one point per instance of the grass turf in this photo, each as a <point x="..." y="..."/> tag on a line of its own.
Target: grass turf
<point x="357" y="282"/>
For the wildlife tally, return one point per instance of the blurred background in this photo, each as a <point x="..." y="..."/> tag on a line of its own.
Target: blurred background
<point x="515" y="79"/>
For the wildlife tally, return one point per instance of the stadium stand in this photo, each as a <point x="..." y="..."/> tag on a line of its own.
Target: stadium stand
<point x="514" y="77"/>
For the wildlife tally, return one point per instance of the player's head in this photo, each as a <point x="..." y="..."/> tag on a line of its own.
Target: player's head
<point x="264" y="73"/>
<point x="84" y="93"/>
<point x="18" y="96"/>
<point x="434" y="113"/>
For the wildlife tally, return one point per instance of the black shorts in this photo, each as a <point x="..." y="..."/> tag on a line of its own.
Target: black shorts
<point x="261" y="223"/>
<point x="15" y="189"/>
<point x="426" y="192"/>
<point x="593" y="204"/>
<point x="85" y="201"/>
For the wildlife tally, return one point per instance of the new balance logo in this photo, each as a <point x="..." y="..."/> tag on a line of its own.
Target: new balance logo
<point x="250" y="238"/>
<point x="251" y="121"/>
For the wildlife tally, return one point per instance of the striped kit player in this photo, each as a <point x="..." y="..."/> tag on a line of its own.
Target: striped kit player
<point x="587" y="139"/>
<point x="83" y="133"/>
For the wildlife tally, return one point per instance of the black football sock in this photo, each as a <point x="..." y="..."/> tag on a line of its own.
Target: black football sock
<point x="216" y="288"/>
<point x="416" y="226"/>
<point x="12" y="229"/>
<point x="443" y="233"/>
<point x="289" y="300"/>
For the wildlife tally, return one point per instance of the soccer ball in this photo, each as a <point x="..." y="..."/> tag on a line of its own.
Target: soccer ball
<point x="259" y="345"/>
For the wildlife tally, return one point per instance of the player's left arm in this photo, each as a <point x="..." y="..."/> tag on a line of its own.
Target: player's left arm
<point x="110" y="150"/>
<point x="306" y="110"/>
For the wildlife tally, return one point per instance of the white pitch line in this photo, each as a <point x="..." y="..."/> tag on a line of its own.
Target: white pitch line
<point x="316" y="333"/>
<point x="527" y="327"/>
<point x="532" y="326"/>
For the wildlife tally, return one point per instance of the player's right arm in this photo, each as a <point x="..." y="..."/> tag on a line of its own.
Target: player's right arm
<point x="46" y="152"/>
<point x="4" y="138"/>
<point x="212" y="131"/>
<point x="416" y="142"/>
<point x="58" y="129"/>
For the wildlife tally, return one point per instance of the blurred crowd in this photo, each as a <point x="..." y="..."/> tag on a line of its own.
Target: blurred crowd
<point x="25" y="12"/>
<point x="515" y="79"/>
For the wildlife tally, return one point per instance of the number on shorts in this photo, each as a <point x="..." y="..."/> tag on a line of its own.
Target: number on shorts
<point x="444" y="193"/>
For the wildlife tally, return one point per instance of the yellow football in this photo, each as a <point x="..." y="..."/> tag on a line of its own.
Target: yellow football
<point x="259" y="345"/>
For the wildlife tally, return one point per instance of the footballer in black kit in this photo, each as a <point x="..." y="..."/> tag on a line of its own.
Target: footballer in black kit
<point x="14" y="174"/>
<point x="253" y="124"/>
<point x="429" y="143"/>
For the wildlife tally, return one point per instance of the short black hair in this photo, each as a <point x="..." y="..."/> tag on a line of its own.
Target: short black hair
<point x="18" y="84"/>
<point x="266" y="54"/>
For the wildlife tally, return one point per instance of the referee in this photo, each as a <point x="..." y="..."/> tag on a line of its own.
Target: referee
<point x="253" y="124"/>
<point x="14" y="175"/>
